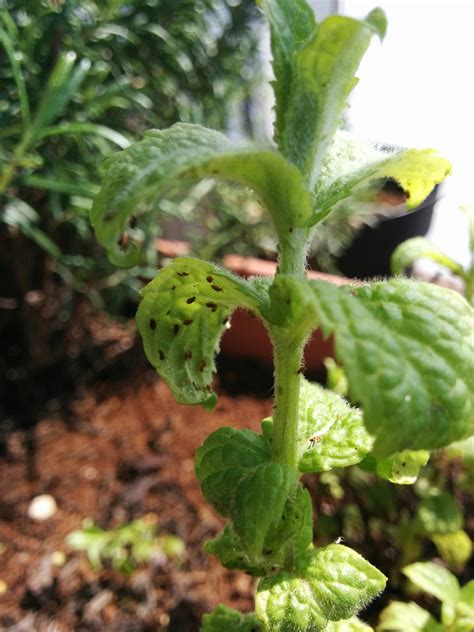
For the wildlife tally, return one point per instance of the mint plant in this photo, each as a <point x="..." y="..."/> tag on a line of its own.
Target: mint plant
<point x="405" y="347"/>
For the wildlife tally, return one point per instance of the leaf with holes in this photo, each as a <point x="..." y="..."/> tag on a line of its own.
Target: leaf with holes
<point x="402" y="468"/>
<point x="329" y="584"/>
<point x="181" y="317"/>
<point x="136" y="177"/>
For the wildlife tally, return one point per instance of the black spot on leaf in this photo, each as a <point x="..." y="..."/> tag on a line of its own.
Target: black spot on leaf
<point x="175" y="329"/>
<point x="188" y="322"/>
<point x="216" y="288"/>
<point x="190" y="300"/>
<point x="182" y="274"/>
<point x="152" y="323"/>
<point x="188" y="355"/>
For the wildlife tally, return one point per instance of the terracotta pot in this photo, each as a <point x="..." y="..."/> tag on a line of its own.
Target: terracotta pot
<point x="248" y="338"/>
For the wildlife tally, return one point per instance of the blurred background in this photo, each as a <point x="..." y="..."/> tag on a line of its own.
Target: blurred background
<point x="78" y="81"/>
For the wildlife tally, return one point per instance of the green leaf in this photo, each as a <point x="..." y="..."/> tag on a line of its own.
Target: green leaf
<point x="139" y="174"/>
<point x="401" y="617"/>
<point x="455" y="547"/>
<point x="321" y="80"/>
<point x="181" y="317"/>
<point x="224" y="460"/>
<point x="225" y="619"/>
<point x="348" y="625"/>
<point x="86" y="128"/>
<point x="331" y="433"/>
<point x="465" y="609"/>
<point x="402" y="468"/>
<point x="330" y="584"/>
<point x="291" y="26"/>
<point x="407" y="349"/>
<point x="7" y="43"/>
<point x="62" y="85"/>
<point x="405" y="255"/>
<point x="434" y="580"/>
<point x="22" y="216"/>
<point x="439" y="514"/>
<point x="228" y="549"/>
<point x="354" y="172"/>
<point x="259" y="502"/>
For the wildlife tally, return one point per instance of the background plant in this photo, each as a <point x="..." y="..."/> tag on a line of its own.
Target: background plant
<point x="404" y="346"/>
<point x="79" y="79"/>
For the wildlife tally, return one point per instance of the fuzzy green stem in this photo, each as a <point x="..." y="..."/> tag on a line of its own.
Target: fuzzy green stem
<point x="288" y="356"/>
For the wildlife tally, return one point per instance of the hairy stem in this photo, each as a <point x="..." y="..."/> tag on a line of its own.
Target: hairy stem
<point x="287" y="357"/>
<point x="288" y="354"/>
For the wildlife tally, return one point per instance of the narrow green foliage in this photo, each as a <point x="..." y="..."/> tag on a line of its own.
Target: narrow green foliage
<point x="439" y="514"/>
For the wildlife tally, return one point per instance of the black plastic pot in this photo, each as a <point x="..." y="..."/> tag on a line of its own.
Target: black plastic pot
<point x="369" y="254"/>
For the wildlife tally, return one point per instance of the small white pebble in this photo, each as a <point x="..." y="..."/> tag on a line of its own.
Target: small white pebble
<point x="58" y="558"/>
<point x="42" y="507"/>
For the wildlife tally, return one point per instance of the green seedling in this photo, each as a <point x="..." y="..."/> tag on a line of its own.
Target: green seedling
<point x="126" y="546"/>
<point x="406" y="347"/>
<point x="457" y="603"/>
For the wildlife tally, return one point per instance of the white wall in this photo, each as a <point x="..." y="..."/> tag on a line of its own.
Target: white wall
<point x="416" y="89"/>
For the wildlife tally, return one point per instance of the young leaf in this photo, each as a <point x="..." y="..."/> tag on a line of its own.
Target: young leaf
<point x="331" y="433"/>
<point x="439" y="514"/>
<point x="139" y="174"/>
<point x="405" y="255"/>
<point x="259" y="501"/>
<point x="353" y="173"/>
<point x="224" y="460"/>
<point x="329" y="584"/>
<point x="291" y="26"/>
<point x="321" y="80"/>
<point x="407" y="349"/>
<point x="435" y="580"/>
<point x="401" y="617"/>
<point x="465" y="608"/>
<point x="225" y="619"/>
<point x="402" y="468"/>
<point x="181" y="318"/>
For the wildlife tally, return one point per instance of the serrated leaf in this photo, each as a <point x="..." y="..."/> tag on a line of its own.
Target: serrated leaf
<point x="348" y="625"/>
<point x="402" y="468"/>
<point x="405" y="255"/>
<point x="401" y="617"/>
<point x="295" y="525"/>
<point x="259" y="502"/>
<point x="139" y="174"/>
<point x="225" y="619"/>
<point x="434" y="580"/>
<point x="407" y="349"/>
<point x="353" y="174"/>
<point x="439" y="514"/>
<point x="291" y="26"/>
<point x="330" y="584"/>
<point x="455" y="548"/>
<point x="228" y="549"/>
<point x="224" y="460"/>
<point x="322" y="79"/>
<point x="181" y="317"/>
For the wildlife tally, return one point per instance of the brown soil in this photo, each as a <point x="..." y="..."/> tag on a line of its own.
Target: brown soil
<point x="128" y="451"/>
